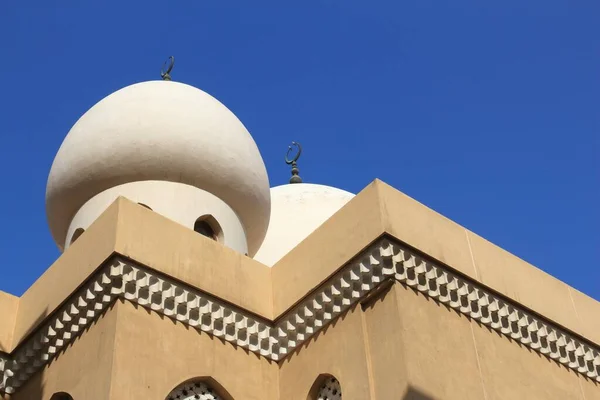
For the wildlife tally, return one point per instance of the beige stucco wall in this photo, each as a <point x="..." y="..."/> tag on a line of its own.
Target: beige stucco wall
<point x="131" y="353"/>
<point x="379" y="209"/>
<point x="67" y="273"/>
<point x="155" y="241"/>
<point x="401" y="344"/>
<point x="409" y="346"/>
<point x="588" y="313"/>
<point x="154" y="354"/>
<point x="161" y="244"/>
<point x="448" y="356"/>
<point x="338" y="350"/>
<point x="470" y="254"/>
<point x="83" y="369"/>
<point x="9" y="305"/>
<point x="528" y="285"/>
<point x="398" y="345"/>
<point x="170" y="248"/>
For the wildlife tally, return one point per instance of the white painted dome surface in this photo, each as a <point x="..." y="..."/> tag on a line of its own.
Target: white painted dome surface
<point x="161" y="131"/>
<point x="296" y="211"/>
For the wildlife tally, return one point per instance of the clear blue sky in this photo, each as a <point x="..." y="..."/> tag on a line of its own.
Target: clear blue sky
<point x="487" y="112"/>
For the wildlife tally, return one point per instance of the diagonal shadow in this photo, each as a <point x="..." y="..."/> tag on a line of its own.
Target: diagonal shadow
<point x="34" y="387"/>
<point x="415" y="394"/>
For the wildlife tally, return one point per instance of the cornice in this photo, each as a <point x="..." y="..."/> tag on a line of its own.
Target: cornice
<point x="385" y="259"/>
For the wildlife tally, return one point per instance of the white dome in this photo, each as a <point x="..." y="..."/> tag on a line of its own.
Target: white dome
<point x="296" y="211"/>
<point x="161" y="131"/>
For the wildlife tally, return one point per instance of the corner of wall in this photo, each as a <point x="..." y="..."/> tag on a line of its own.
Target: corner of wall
<point x="9" y="308"/>
<point x="113" y="368"/>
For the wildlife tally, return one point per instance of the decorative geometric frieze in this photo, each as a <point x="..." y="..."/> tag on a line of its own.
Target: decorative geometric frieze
<point x="61" y="327"/>
<point x="389" y="259"/>
<point x="4" y="374"/>
<point x="480" y="304"/>
<point x="385" y="259"/>
<point x="194" y="308"/>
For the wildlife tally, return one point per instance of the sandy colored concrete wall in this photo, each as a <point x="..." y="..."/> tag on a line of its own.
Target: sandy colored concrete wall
<point x="450" y="357"/>
<point x="170" y="248"/>
<point x="447" y="356"/>
<point x="157" y="242"/>
<point x="9" y="305"/>
<point x="63" y="277"/>
<point x="154" y="354"/>
<point x="528" y="285"/>
<point x="411" y="347"/>
<point x="83" y="370"/>
<point x="380" y="208"/>
<point x="402" y="343"/>
<point x="446" y="241"/>
<point x="588" y="313"/>
<point x="397" y="345"/>
<point x="338" y="350"/>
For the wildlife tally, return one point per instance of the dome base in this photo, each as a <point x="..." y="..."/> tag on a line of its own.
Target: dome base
<point x="184" y="204"/>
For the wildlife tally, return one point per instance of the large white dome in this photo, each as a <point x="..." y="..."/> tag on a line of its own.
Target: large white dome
<point x="161" y="131"/>
<point x="296" y="211"/>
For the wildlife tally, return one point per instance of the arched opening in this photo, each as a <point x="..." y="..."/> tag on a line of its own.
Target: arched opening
<point x="208" y="226"/>
<point x="202" y="388"/>
<point x="61" y="396"/>
<point x="145" y="206"/>
<point x="326" y="387"/>
<point x="76" y="235"/>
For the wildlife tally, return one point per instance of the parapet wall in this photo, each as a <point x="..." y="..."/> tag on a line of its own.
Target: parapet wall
<point x="380" y="239"/>
<point x="9" y="306"/>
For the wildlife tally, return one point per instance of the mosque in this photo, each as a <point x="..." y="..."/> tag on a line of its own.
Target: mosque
<point x="184" y="275"/>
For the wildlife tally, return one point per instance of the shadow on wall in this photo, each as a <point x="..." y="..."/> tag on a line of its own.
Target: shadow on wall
<point x="416" y="394"/>
<point x="35" y="388"/>
<point x="34" y="384"/>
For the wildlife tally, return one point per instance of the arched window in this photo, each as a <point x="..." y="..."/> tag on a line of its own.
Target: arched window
<point x="197" y="389"/>
<point x="76" y="234"/>
<point x="61" y="396"/>
<point x="326" y="387"/>
<point x="208" y="226"/>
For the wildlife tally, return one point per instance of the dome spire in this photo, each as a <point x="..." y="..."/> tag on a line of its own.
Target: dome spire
<point x="295" y="177"/>
<point x="165" y="74"/>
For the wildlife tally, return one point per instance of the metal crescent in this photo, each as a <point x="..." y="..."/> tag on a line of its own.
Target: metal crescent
<point x="171" y="61"/>
<point x="294" y="159"/>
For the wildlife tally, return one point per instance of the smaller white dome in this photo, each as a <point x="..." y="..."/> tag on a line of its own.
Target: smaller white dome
<point x="159" y="131"/>
<point x="296" y="211"/>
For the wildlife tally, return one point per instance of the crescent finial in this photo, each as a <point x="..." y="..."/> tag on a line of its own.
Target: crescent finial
<point x="296" y="157"/>
<point x="165" y="73"/>
<point x="293" y="162"/>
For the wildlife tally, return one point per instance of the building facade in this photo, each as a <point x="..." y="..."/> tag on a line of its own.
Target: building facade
<point x="185" y="276"/>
